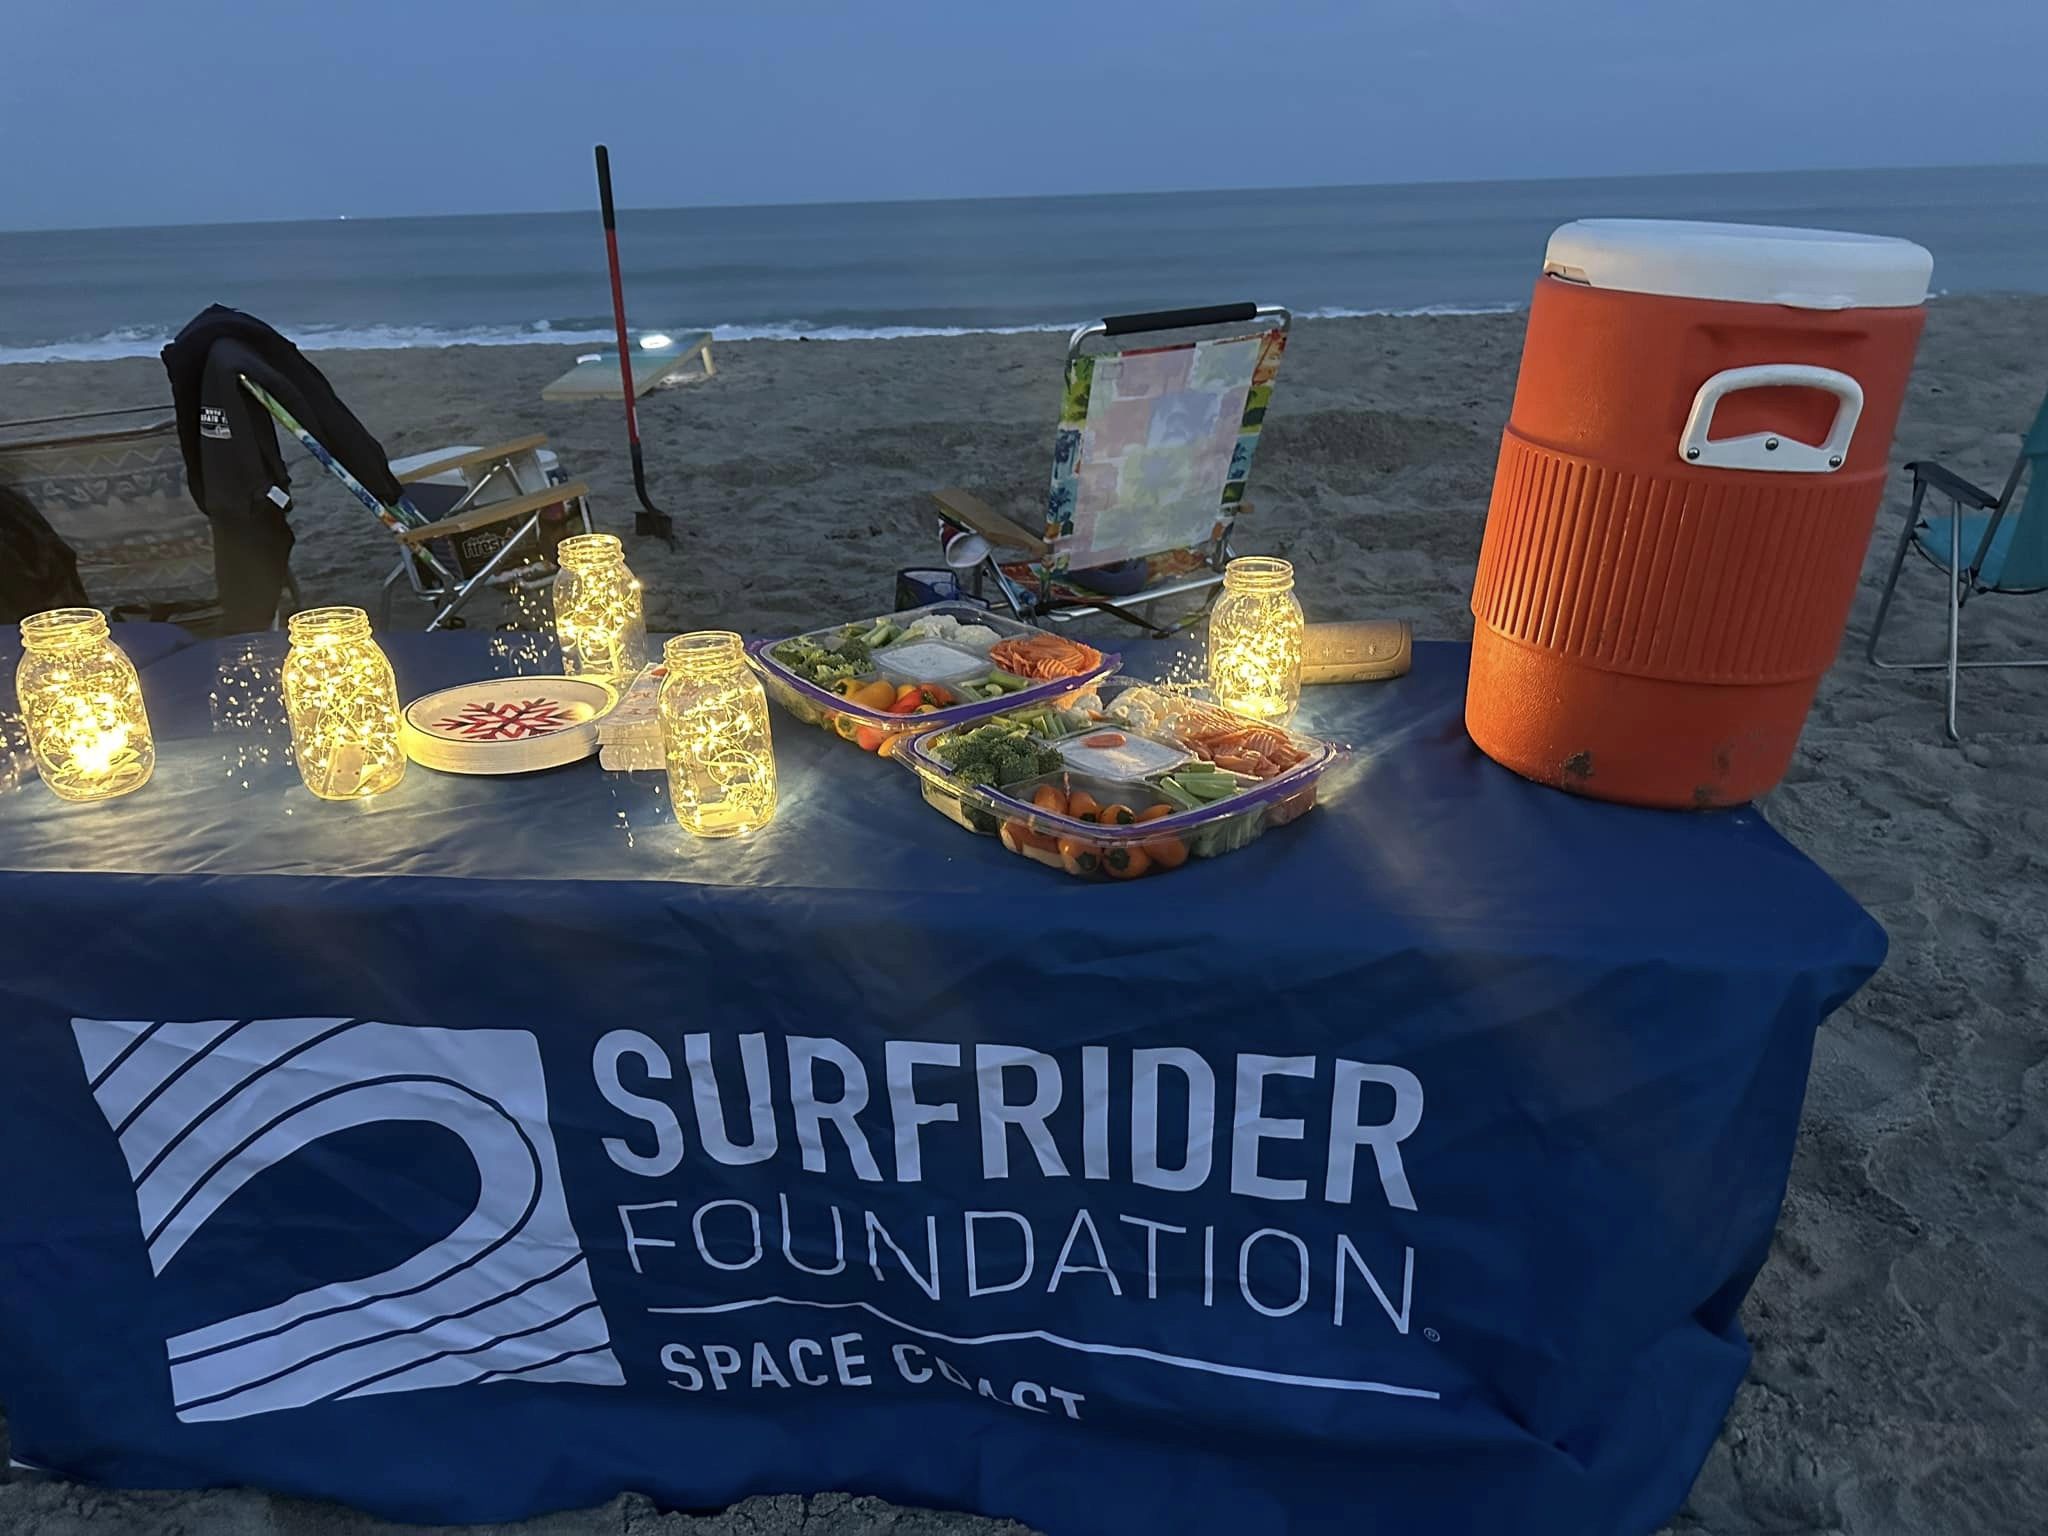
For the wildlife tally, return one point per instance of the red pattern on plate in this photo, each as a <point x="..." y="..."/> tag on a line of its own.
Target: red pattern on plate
<point x="491" y="720"/>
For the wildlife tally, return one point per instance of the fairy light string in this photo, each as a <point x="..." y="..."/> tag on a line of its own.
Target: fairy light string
<point x="714" y="729"/>
<point x="1255" y="640"/>
<point x="342" y="702"/>
<point x="81" y="706"/>
<point x="599" y="623"/>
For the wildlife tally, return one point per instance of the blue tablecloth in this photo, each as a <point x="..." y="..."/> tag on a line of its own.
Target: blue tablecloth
<point x="493" y="1147"/>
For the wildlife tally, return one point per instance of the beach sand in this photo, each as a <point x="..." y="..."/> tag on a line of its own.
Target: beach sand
<point x="1901" y="1326"/>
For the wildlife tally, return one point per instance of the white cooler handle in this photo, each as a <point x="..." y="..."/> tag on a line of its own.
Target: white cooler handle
<point x="1772" y="450"/>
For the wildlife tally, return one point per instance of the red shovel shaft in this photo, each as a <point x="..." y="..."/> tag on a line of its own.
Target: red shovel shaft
<point x="611" y="251"/>
<point x="651" y="519"/>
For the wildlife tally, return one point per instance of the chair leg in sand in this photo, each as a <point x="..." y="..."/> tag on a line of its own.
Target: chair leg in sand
<point x="2011" y="558"/>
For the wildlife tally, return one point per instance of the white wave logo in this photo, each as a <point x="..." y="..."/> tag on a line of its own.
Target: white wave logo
<point x="201" y="1107"/>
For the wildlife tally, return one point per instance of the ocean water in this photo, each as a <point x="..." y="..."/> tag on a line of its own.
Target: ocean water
<point x="848" y="270"/>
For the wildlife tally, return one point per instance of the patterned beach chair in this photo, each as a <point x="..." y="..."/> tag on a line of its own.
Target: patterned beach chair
<point x="116" y="494"/>
<point x="1150" y="461"/>
<point x="1999" y="545"/>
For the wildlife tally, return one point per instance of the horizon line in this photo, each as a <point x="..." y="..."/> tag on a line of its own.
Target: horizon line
<point x="1025" y="197"/>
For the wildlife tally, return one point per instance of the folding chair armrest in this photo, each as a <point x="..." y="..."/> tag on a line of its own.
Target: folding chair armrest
<point x="517" y="448"/>
<point x="973" y="512"/>
<point x="1932" y="475"/>
<point x="494" y="512"/>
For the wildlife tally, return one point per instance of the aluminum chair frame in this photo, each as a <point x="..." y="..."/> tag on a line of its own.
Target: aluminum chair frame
<point x="1964" y="581"/>
<point x="503" y="460"/>
<point x="415" y="530"/>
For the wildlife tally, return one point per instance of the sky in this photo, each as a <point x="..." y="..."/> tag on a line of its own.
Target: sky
<point x="199" y="111"/>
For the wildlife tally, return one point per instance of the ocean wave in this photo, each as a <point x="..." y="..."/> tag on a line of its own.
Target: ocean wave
<point x="1334" y="312"/>
<point x="135" y="342"/>
<point x="140" y="342"/>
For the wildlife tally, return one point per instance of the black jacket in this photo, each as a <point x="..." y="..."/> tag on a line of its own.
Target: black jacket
<point x="237" y="475"/>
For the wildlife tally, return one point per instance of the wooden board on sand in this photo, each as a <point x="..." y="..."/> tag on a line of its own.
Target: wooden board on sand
<point x="597" y="378"/>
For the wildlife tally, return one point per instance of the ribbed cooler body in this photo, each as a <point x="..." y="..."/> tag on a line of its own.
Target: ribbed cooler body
<point x="1648" y="630"/>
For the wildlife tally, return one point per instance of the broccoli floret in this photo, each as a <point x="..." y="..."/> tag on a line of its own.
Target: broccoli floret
<point x="996" y="753"/>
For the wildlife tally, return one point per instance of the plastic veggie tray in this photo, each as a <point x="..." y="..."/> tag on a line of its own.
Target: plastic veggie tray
<point x="1088" y="788"/>
<point x="876" y="682"/>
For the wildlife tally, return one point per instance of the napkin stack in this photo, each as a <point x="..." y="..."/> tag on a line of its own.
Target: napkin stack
<point x="629" y="738"/>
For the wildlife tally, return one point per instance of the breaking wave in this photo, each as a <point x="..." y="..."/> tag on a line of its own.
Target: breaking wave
<point x="141" y="342"/>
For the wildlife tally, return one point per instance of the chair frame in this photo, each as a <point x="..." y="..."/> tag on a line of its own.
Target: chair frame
<point x="1004" y="533"/>
<point x="481" y="467"/>
<point x="415" y="531"/>
<point x="1964" y="581"/>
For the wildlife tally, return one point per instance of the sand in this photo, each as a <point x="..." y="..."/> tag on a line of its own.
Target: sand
<point x="1901" y="1326"/>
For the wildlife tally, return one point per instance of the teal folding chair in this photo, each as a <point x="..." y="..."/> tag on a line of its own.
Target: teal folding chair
<point x="2010" y="541"/>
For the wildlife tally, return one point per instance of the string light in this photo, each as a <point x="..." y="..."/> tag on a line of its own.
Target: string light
<point x="343" y="705"/>
<point x="81" y="704"/>
<point x="1255" y="636"/>
<point x="598" y="620"/>
<point x="16" y="761"/>
<point x="714" y="731"/>
<point x="247" y="706"/>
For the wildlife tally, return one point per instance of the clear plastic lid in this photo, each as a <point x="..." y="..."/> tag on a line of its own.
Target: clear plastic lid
<point x="795" y="690"/>
<point x="1112" y="753"/>
<point x="929" y="661"/>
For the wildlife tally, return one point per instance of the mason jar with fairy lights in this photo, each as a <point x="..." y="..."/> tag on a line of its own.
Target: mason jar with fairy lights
<point x="1255" y="638"/>
<point x="599" y="624"/>
<point x="714" y="732"/>
<point x="342" y="702"/>
<point x="81" y="706"/>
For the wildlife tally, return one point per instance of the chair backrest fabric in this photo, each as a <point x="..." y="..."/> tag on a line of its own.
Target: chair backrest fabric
<point x="119" y="500"/>
<point x="1153" y="450"/>
<point x="2025" y="566"/>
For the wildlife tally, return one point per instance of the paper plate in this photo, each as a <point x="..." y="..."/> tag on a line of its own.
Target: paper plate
<point x="507" y="724"/>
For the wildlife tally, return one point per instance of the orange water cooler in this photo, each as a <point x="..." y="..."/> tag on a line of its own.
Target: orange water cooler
<point x="1685" y="492"/>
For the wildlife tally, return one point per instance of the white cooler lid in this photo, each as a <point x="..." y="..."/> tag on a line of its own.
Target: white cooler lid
<point x="1745" y="263"/>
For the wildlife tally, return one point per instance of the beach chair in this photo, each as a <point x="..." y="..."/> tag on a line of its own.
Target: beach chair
<point x="2006" y="544"/>
<point x="1150" y="460"/>
<point x="459" y="533"/>
<point x="116" y="494"/>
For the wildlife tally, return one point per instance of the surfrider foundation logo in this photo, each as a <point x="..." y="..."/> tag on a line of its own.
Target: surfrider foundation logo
<point x="200" y="1107"/>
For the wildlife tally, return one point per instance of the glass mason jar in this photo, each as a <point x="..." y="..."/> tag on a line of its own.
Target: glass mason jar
<point x="714" y="733"/>
<point x="598" y="621"/>
<point x="81" y="704"/>
<point x="1255" y="637"/>
<point x="343" y="706"/>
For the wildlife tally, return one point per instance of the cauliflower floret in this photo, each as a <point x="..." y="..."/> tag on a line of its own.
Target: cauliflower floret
<point x="1140" y="708"/>
<point x="976" y="637"/>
